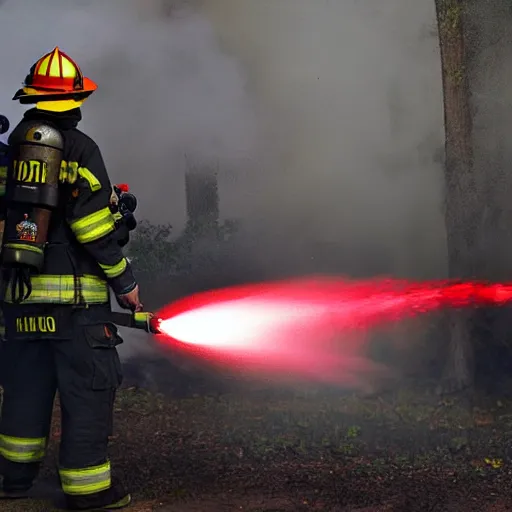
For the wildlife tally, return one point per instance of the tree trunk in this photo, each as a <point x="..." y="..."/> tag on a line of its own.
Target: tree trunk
<point x="202" y="193"/>
<point x="461" y="199"/>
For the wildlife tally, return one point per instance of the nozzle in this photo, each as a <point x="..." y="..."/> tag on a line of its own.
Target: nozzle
<point x="141" y="320"/>
<point x="147" y="322"/>
<point x="154" y="325"/>
<point x="128" y="201"/>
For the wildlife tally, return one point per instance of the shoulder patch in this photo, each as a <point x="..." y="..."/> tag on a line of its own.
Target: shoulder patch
<point x="71" y="171"/>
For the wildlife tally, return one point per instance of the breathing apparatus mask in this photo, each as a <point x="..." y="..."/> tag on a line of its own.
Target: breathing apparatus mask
<point x="122" y="205"/>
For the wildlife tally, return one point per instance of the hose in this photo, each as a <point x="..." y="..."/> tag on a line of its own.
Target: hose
<point x="20" y="280"/>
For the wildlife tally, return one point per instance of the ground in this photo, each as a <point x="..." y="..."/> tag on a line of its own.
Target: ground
<point x="311" y="450"/>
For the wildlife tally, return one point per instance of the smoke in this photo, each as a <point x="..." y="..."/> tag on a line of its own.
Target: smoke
<point x="490" y="44"/>
<point x="168" y="97"/>
<point x="323" y="118"/>
<point x="353" y="91"/>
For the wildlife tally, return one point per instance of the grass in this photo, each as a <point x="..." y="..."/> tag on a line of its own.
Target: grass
<point x="269" y="451"/>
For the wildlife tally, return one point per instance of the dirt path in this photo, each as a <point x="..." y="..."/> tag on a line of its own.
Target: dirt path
<point x="262" y="452"/>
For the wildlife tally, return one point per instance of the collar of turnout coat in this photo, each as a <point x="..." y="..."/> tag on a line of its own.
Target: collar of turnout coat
<point x="64" y="120"/>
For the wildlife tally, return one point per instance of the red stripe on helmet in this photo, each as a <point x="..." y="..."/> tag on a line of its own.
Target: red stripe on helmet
<point x="49" y="67"/>
<point x="60" y="65"/>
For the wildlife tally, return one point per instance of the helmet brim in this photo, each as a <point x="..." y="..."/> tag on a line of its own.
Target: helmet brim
<point x="32" y="92"/>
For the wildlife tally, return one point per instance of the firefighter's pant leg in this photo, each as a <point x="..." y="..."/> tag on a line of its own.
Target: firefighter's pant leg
<point x="88" y="374"/>
<point x="29" y="381"/>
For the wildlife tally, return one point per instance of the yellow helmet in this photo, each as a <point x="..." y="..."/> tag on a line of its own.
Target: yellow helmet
<point x="56" y="83"/>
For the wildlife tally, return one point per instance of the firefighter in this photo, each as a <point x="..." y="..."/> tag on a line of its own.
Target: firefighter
<point x="60" y="255"/>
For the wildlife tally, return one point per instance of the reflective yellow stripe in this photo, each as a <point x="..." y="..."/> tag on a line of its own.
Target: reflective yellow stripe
<point x="18" y="449"/>
<point x="25" y="247"/>
<point x="142" y="319"/>
<point x="90" y="178"/>
<point x="3" y="180"/>
<point x="94" y="226"/>
<point x="55" y="289"/>
<point x="86" y="481"/>
<point x="141" y="316"/>
<point x="117" y="216"/>
<point x="112" y="271"/>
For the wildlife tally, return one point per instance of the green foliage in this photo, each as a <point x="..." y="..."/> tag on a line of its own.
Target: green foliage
<point x="450" y="14"/>
<point x="156" y="253"/>
<point x="151" y="249"/>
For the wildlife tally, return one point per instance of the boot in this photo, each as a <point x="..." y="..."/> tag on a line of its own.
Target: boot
<point x="13" y="495"/>
<point x="15" y="489"/>
<point x="114" y="498"/>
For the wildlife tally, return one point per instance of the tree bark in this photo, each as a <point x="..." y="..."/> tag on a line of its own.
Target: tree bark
<point x="202" y="194"/>
<point x="462" y="215"/>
